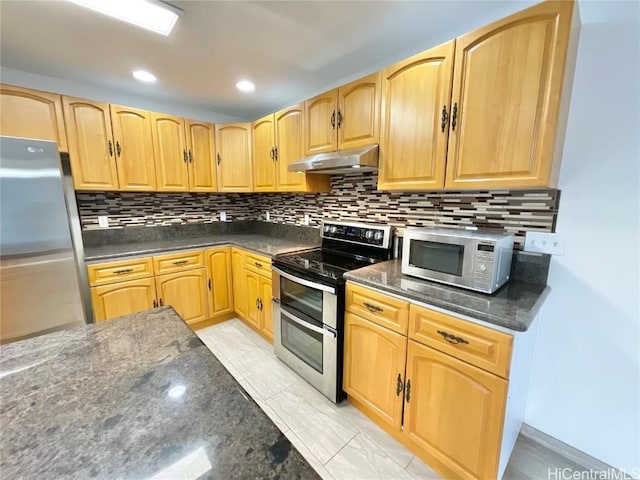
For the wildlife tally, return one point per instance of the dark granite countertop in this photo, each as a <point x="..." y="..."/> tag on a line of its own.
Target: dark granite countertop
<point x="514" y="306"/>
<point x="134" y="397"/>
<point x="259" y="243"/>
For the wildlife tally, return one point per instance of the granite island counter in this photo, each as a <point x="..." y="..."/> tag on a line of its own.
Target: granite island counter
<point x="133" y="397"/>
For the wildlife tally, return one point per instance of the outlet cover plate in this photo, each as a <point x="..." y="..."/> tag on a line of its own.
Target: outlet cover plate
<point x="223" y="216"/>
<point x="306" y="219"/>
<point x="103" y="221"/>
<point x="268" y="216"/>
<point x="543" y="242"/>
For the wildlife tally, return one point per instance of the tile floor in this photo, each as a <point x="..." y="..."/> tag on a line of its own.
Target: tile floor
<point x="337" y="440"/>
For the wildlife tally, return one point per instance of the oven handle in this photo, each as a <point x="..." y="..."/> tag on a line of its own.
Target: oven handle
<point x="326" y="333"/>
<point x="306" y="283"/>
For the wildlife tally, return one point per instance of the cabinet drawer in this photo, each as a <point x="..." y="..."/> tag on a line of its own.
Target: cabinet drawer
<point x="480" y="346"/>
<point x="106" y="273"/>
<point x="176" y="262"/>
<point x="258" y="264"/>
<point x="379" y="308"/>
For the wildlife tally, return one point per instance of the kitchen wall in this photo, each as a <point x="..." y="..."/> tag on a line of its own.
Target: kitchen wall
<point x="585" y="383"/>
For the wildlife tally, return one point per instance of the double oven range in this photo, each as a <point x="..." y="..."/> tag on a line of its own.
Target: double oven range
<point x="309" y="295"/>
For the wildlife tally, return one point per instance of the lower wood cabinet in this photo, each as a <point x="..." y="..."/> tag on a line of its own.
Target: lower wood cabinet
<point x="239" y="290"/>
<point x="186" y="292"/>
<point x="266" y="308"/>
<point x="219" y="282"/>
<point x="253" y="295"/>
<point x="122" y="298"/>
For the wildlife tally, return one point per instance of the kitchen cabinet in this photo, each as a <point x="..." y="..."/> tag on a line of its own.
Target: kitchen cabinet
<point x="413" y="143"/>
<point x="219" y="282"/>
<point x="170" y="153"/>
<point x="32" y="114"/>
<point x="384" y="310"/>
<point x="238" y="280"/>
<point x="121" y="298"/>
<point x="233" y="157"/>
<point x="91" y="146"/>
<point x="343" y="118"/>
<point x="263" y="151"/>
<point x="201" y="153"/>
<point x="266" y="307"/>
<point x="133" y="148"/>
<point x="186" y="292"/>
<point x="511" y="85"/>
<point x="253" y="295"/>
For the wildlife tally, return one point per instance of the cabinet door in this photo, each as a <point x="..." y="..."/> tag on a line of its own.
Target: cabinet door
<point x="374" y="363"/>
<point x="186" y="292"/>
<point x="219" y="283"/>
<point x="266" y="324"/>
<point x="289" y="137"/>
<point x="233" y="157"/>
<point x="239" y="282"/>
<point x="134" y="148"/>
<point x="455" y="412"/>
<point x="117" y="299"/>
<point x="413" y="143"/>
<point x="170" y="152"/>
<point x="91" y="147"/>
<point x="264" y="165"/>
<point x="32" y="114"/>
<point x="201" y="152"/>
<point x="253" y="294"/>
<point x="358" y="118"/>
<point x="320" y="123"/>
<point x="507" y="85"/>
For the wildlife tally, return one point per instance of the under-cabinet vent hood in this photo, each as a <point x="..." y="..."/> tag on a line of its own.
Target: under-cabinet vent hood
<point x="363" y="159"/>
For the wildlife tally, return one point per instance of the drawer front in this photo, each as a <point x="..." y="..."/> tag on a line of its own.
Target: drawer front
<point x="258" y="264"/>
<point x="381" y="309"/>
<point x="480" y="346"/>
<point x="177" y="262"/>
<point x="111" y="272"/>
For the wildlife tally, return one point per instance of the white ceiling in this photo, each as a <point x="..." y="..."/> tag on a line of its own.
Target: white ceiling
<point x="291" y="50"/>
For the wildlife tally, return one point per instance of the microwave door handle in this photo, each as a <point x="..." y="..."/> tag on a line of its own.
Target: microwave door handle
<point x="326" y="333"/>
<point x="306" y="283"/>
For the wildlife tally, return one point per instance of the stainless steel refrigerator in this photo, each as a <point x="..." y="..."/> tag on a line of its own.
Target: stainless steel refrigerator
<point x="43" y="283"/>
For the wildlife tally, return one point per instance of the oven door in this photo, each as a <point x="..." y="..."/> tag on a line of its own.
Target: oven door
<point x="304" y="338"/>
<point x="443" y="258"/>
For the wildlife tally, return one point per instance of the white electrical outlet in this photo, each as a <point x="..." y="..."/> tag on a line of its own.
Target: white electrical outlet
<point x="103" y="221"/>
<point x="543" y="242"/>
<point x="306" y="219"/>
<point x="223" y="216"/>
<point x="268" y="216"/>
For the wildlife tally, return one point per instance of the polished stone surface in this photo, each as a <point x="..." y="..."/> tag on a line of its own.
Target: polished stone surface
<point x="139" y="396"/>
<point x="514" y="306"/>
<point x="259" y="243"/>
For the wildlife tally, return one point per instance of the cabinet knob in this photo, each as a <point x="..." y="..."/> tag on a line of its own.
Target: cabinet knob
<point x="160" y="302"/>
<point x="275" y="153"/>
<point x="339" y="118"/>
<point x="155" y="303"/>
<point x="110" y="148"/>
<point x="218" y="158"/>
<point x="190" y="157"/>
<point x="209" y="283"/>
<point x="118" y="148"/>
<point x="333" y="120"/>
<point x="445" y="117"/>
<point x="407" y="396"/>
<point x="454" y="116"/>
<point x="184" y="155"/>
<point x="399" y="386"/>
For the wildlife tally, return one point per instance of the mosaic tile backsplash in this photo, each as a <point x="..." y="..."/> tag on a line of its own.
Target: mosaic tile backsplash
<point x="352" y="197"/>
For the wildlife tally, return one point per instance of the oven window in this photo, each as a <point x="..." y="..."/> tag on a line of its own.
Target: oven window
<point x="299" y="299"/>
<point x="305" y="344"/>
<point x="439" y="257"/>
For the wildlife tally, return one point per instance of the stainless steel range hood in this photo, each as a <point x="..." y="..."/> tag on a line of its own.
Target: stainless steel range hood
<point x="363" y="159"/>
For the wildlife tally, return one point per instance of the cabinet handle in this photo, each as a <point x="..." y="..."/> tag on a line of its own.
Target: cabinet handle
<point x="190" y="157"/>
<point x="259" y="265"/>
<point x="123" y="271"/>
<point x="454" y="117"/>
<point x="271" y="154"/>
<point x="260" y="304"/>
<point x="408" y="391"/>
<point x="118" y="148"/>
<point x="155" y="304"/>
<point x="180" y="262"/>
<point x="373" y="308"/>
<point x="399" y="386"/>
<point x="184" y="155"/>
<point x="339" y="118"/>
<point x="257" y="304"/>
<point x="445" y="117"/>
<point x="449" y="337"/>
<point x="110" y="148"/>
<point x="160" y="303"/>
<point x="218" y="158"/>
<point x="333" y="120"/>
<point x="209" y="284"/>
<point x="275" y="153"/>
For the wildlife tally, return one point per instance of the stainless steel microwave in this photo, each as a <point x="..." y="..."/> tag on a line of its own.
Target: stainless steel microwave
<point x="475" y="260"/>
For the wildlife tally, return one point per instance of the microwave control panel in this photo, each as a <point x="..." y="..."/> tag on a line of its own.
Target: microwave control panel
<point x="483" y="265"/>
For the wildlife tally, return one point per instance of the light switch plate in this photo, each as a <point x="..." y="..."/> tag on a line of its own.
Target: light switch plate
<point x="543" y="242"/>
<point x="103" y="221"/>
<point x="223" y="216"/>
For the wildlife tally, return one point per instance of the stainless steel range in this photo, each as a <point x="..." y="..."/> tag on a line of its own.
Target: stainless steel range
<point x="308" y="300"/>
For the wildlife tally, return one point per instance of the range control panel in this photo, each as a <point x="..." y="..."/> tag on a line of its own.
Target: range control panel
<point x="374" y="235"/>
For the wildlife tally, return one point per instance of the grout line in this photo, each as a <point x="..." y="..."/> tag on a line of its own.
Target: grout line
<point x="358" y="432"/>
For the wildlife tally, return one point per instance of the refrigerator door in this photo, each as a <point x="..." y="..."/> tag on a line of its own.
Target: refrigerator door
<point x="39" y="287"/>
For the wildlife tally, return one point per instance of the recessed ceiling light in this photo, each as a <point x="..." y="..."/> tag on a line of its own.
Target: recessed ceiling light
<point x="144" y="76"/>
<point x="153" y="15"/>
<point x="245" y="86"/>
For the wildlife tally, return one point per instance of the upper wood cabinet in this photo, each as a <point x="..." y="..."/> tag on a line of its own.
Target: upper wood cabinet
<point x="133" y="148"/>
<point x="320" y="123"/>
<point x="233" y="157"/>
<point x="264" y="160"/>
<point x="170" y="152"/>
<point x="201" y="154"/>
<point x="32" y="114"/>
<point x="91" y="146"/>
<point x="413" y="143"/>
<point x="507" y="90"/>
<point x="358" y="117"/>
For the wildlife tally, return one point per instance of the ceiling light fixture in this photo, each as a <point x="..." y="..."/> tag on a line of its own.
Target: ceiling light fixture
<point x="153" y="15"/>
<point x="144" y="76"/>
<point x="245" y="86"/>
